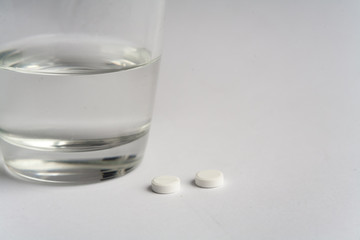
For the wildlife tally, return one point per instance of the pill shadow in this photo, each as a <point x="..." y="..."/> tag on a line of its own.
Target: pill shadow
<point x="149" y="189"/>
<point x="192" y="183"/>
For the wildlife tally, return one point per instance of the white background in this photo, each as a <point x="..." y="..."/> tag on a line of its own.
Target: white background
<point x="266" y="91"/>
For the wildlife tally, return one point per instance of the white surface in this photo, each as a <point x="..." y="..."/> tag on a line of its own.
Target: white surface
<point x="165" y="184"/>
<point x="209" y="178"/>
<point x="266" y="91"/>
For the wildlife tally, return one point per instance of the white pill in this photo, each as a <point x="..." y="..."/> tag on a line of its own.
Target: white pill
<point x="209" y="178"/>
<point x="165" y="184"/>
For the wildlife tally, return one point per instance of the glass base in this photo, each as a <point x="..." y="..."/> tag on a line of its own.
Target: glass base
<point x="73" y="167"/>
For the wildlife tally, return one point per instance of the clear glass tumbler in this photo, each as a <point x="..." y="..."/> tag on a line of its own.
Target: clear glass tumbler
<point x="77" y="85"/>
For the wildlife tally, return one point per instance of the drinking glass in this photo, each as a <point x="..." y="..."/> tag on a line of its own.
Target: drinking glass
<point x="77" y="86"/>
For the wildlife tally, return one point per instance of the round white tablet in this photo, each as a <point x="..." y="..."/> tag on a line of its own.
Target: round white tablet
<point x="209" y="178"/>
<point x="165" y="184"/>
